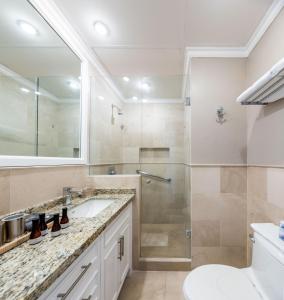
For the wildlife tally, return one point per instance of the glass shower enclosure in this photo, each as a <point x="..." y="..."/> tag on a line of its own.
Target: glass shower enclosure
<point x="149" y="135"/>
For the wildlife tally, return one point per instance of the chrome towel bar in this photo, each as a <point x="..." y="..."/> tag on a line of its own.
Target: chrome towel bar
<point x="153" y="176"/>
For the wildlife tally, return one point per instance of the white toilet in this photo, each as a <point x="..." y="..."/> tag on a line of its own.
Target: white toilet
<point x="263" y="280"/>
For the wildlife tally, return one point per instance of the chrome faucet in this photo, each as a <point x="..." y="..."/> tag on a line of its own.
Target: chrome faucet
<point x="67" y="193"/>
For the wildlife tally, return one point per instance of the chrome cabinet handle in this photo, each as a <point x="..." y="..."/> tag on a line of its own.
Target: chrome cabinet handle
<point x="89" y="298"/>
<point x="85" y="268"/>
<point x="119" y="254"/>
<point x="121" y="247"/>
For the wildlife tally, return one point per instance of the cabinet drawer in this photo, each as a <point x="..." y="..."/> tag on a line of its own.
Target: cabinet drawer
<point x="92" y="291"/>
<point x="113" y="229"/>
<point x="77" y="277"/>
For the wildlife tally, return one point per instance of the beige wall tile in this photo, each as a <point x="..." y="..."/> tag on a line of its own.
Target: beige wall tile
<point x="205" y="233"/>
<point x="233" y="256"/>
<point x="5" y="192"/>
<point x="265" y="198"/>
<point x="31" y="186"/>
<point x="219" y="215"/>
<point x="233" y="180"/>
<point x="205" y="180"/>
<point x="275" y="187"/>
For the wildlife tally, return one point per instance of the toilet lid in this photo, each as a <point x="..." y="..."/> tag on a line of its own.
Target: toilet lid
<point x="219" y="282"/>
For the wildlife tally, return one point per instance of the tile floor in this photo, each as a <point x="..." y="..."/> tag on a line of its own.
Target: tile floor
<point x="153" y="285"/>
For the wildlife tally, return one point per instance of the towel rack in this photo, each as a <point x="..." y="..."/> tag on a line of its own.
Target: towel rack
<point x="153" y="176"/>
<point x="267" y="89"/>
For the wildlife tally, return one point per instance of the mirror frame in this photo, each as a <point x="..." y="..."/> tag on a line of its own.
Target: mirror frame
<point x="57" y="21"/>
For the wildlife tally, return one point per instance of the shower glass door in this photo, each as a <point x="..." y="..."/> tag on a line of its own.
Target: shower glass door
<point x="165" y="204"/>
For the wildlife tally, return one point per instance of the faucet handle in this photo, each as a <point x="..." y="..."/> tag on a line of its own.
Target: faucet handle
<point x="67" y="190"/>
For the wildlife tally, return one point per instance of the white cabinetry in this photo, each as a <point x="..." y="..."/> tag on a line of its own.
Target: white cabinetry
<point x="99" y="272"/>
<point x="116" y="258"/>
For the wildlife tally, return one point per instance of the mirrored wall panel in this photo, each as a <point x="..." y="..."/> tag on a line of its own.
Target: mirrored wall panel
<point x="40" y="109"/>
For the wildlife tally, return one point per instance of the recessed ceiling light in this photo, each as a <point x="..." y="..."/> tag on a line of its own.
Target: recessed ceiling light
<point x="27" y="27"/>
<point x="24" y="90"/>
<point x="134" y="98"/>
<point x="74" y="85"/>
<point x="101" y="28"/>
<point x="37" y="93"/>
<point x="101" y="98"/>
<point x="145" y="86"/>
<point x="126" y="79"/>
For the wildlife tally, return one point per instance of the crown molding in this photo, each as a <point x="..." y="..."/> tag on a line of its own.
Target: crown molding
<point x="155" y="101"/>
<point x="266" y="21"/>
<point x="240" y="52"/>
<point x="216" y="52"/>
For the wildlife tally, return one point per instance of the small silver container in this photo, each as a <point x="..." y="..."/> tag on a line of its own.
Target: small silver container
<point x="14" y="226"/>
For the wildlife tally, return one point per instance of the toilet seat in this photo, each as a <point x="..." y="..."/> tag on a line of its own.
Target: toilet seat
<point x="219" y="282"/>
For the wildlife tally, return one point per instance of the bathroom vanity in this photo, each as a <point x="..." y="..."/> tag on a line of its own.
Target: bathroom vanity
<point x="100" y="270"/>
<point x="90" y="260"/>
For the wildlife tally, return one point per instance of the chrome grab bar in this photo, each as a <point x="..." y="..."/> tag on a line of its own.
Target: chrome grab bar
<point x="153" y="176"/>
<point x="85" y="268"/>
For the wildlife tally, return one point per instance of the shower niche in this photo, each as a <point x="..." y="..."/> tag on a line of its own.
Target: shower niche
<point x="150" y="155"/>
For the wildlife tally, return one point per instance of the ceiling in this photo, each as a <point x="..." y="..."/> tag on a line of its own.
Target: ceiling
<point x="148" y="38"/>
<point x="148" y="33"/>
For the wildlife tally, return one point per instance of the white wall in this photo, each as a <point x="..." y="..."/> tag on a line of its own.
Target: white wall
<point x="265" y="123"/>
<point x="217" y="82"/>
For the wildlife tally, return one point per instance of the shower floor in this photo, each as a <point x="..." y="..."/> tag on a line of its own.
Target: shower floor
<point x="164" y="240"/>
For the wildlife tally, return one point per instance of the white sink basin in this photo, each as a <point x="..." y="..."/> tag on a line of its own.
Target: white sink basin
<point x="90" y="208"/>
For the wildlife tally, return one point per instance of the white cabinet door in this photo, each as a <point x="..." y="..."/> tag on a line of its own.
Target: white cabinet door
<point x="124" y="255"/>
<point x="79" y="280"/>
<point x="110" y="284"/>
<point x="117" y="253"/>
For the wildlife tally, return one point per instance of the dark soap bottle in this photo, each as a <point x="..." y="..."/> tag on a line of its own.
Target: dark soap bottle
<point x="64" y="219"/>
<point x="35" y="236"/>
<point x="56" y="228"/>
<point x="42" y="224"/>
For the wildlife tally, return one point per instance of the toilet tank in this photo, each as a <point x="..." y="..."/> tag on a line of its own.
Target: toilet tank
<point x="268" y="260"/>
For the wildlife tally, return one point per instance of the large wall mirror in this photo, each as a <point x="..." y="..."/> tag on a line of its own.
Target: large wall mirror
<point x="40" y="106"/>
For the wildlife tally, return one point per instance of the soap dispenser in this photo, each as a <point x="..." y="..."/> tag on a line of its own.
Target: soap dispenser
<point x="56" y="228"/>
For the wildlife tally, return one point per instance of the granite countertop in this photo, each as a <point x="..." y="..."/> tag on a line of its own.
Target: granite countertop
<point x="27" y="271"/>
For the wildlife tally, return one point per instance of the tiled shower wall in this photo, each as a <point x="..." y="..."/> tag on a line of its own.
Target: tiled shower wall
<point x="58" y="127"/>
<point x="219" y="215"/>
